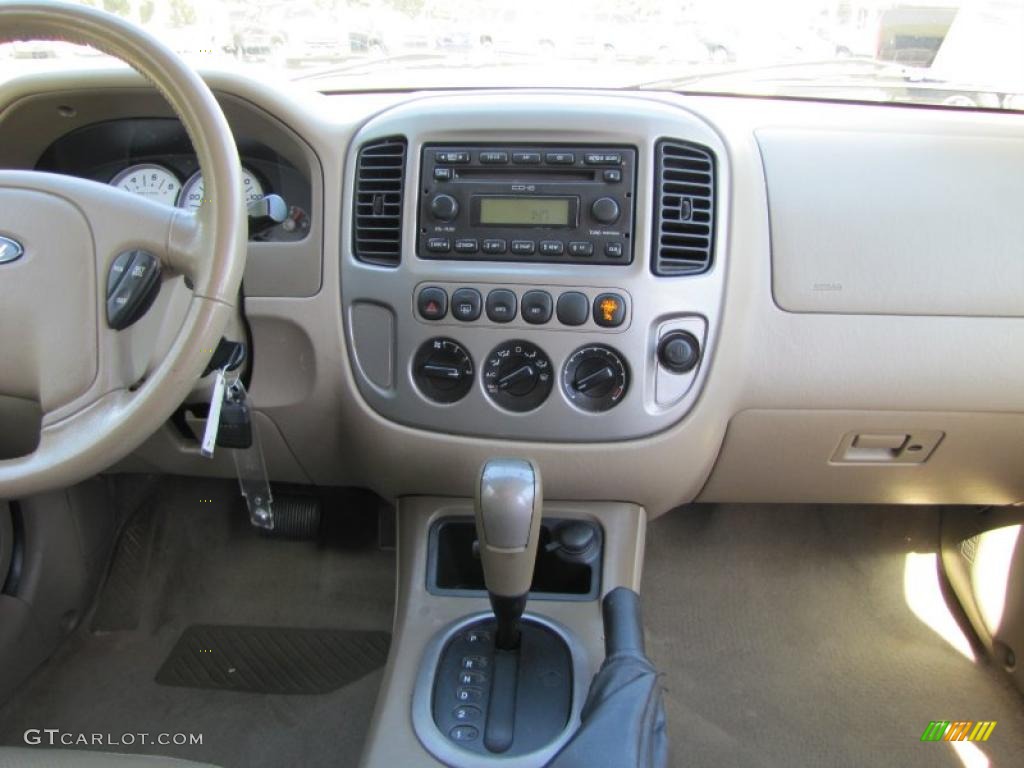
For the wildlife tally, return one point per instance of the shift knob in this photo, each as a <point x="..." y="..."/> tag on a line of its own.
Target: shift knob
<point x="508" y="511"/>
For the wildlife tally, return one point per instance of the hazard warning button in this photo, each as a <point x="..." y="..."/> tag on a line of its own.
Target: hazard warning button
<point x="432" y="303"/>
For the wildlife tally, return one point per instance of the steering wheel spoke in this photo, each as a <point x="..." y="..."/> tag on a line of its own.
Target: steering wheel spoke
<point x="100" y="387"/>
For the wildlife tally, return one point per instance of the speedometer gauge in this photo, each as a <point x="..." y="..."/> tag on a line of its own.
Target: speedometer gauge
<point x="148" y="180"/>
<point x="193" y="194"/>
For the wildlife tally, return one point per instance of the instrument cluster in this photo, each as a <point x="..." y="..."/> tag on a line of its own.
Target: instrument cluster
<point x="153" y="157"/>
<point x="160" y="183"/>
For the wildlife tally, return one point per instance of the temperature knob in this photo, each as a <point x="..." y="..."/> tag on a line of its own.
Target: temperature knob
<point x="595" y="378"/>
<point x="444" y="207"/>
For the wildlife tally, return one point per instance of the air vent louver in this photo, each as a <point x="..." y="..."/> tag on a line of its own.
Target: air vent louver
<point x="684" y="211"/>
<point x="380" y="175"/>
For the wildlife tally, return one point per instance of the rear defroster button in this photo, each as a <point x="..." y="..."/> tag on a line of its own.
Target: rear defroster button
<point x="466" y="304"/>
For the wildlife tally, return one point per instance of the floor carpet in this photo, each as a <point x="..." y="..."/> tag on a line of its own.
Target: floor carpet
<point x="208" y="566"/>
<point x="786" y="638"/>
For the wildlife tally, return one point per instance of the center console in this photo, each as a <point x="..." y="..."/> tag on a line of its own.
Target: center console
<point x="505" y="279"/>
<point x="441" y="699"/>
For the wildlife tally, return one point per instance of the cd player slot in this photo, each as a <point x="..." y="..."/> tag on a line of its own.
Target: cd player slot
<point x="504" y="175"/>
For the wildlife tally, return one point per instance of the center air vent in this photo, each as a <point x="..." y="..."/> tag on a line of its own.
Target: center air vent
<point x="684" y="210"/>
<point x="377" y="232"/>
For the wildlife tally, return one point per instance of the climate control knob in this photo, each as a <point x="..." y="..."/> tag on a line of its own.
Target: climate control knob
<point x="517" y="376"/>
<point x="605" y="210"/>
<point x="444" y="207"/>
<point x="442" y="370"/>
<point x="595" y="378"/>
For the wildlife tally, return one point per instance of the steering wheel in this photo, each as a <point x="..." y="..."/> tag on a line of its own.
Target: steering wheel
<point x="97" y="399"/>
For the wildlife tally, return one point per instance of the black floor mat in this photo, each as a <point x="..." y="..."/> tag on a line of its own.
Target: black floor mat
<point x="273" y="659"/>
<point x="120" y="605"/>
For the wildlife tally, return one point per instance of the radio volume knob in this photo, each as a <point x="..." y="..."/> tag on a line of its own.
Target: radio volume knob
<point x="444" y="207"/>
<point x="605" y="210"/>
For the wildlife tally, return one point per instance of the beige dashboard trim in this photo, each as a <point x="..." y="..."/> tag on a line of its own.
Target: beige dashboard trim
<point x="766" y="359"/>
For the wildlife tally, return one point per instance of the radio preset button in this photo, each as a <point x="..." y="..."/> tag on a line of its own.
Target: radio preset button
<point x="613" y="250"/>
<point x="602" y="158"/>
<point x="439" y="244"/>
<point x="536" y="307"/>
<point x="559" y="158"/>
<point x="605" y="210"/>
<point x="432" y="303"/>
<point x="466" y="245"/>
<point x="466" y="304"/>
<point x="452" y="156"/>
<point x="493" y="157"/>
<point x="552" y="247"/>
<point x="501" y="306"/>
<point x="526" y="158"/>
<point x="613" y="175"/>
<point x="495" y="245"/>
<point x="573" y="308"/>
<point x="581" y="248"/>
<point x="443" y="174"/>
<point x="524" y="247"/>
<point x="444" y="207"/>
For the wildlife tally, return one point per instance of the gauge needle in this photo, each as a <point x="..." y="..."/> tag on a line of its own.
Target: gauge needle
<point x="435" y="371"/>
<point x="592" y="380"/>
<point x="523" y="372"/>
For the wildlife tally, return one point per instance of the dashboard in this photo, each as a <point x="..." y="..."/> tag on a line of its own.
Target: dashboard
<point x="659" y="298"/>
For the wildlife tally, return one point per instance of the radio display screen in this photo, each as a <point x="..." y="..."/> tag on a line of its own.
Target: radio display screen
<point x="526" y="211"/>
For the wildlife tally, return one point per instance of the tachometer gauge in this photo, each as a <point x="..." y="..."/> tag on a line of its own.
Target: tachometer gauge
<point x="194" y="192"/>
<point x="149" y="180"/>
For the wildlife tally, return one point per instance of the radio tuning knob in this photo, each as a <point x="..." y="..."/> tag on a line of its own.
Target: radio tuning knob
<point x="444" y="207"/>
<point x="605" y="210"/>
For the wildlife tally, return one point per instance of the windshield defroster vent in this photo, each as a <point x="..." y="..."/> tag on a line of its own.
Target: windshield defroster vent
<point x="380" y="175"/>
<point x="684" y="209"/>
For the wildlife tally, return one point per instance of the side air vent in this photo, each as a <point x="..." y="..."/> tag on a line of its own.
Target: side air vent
<point x="380" y="175"/>
<point x="684" y="209"/>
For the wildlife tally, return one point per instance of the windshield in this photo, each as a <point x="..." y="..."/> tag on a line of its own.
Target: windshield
<point x="954" y="53"/>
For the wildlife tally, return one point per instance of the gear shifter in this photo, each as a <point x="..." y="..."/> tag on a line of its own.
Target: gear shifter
<point x="520" y="689"/>
<point x="508" y="511"/>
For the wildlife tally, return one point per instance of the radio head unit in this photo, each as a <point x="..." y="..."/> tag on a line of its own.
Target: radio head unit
<point x="527" y="202"/>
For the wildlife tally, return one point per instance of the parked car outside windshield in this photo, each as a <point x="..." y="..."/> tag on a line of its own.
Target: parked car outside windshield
<point x="953" y="53"/>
